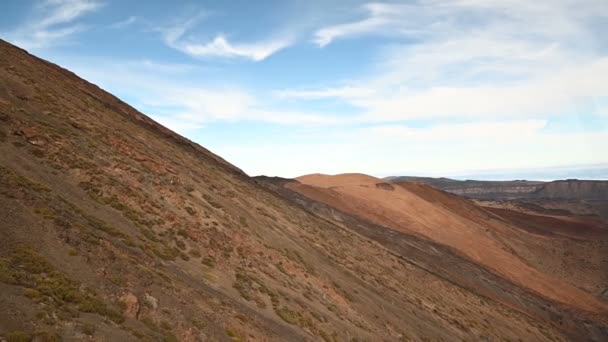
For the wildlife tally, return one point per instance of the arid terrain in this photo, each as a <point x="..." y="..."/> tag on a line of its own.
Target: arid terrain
<point x="571" y="196"/>
<point x="115" y="228"/>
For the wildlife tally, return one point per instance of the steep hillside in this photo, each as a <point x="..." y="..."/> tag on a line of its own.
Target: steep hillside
<point x="443" y="261"/>
<point x="115" y="228"/>
<point x="495" y="242"/>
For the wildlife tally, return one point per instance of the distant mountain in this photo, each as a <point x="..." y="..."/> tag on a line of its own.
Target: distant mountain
<point x="516" y="189"/>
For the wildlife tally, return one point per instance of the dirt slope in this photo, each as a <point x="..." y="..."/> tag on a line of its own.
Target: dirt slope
<point x="457" y="223"/>
<point x="115" y="228"/>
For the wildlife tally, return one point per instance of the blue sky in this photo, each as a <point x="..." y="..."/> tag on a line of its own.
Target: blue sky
<point x="436" y="87"/>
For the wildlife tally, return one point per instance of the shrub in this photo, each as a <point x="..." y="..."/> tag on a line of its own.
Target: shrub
<point x="208" y="261"/>
<point x="18" y="336"/>
<point x="165" y="325"/>
<point x="195" y="253"/>
<point x="180" y="244"/>
<point x="88" y="329"/>
<point x="287" y="315"/>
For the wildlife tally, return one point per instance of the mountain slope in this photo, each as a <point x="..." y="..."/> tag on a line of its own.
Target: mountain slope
<point x="472" y="234"/>
<point x="117" y="228"/>
<point x="497" y="243"/>
<point x="442" y="261"/>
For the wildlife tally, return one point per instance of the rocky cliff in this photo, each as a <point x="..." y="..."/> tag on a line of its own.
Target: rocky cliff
<point x="519" y="189"/>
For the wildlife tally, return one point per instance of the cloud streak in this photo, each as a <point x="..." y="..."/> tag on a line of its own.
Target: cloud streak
<point x="164" y="92"/>
<point x="382" y="19"/>
<point x="124" y="23"/>
<point x="53" y="21"/>
<point x="220" y="47"/>
<point x="475" y="59"/>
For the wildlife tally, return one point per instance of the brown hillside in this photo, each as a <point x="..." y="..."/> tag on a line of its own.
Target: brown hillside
<point x="451" y="221"/>
<point x="115" y="228"/>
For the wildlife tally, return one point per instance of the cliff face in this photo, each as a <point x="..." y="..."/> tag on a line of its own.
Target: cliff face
<point x="493" y="191"/>
<point x="574" y="189"/>
<point x="571" y="189"/>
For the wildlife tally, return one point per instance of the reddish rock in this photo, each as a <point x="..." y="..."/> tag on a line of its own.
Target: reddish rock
<point x="131" y="305"/>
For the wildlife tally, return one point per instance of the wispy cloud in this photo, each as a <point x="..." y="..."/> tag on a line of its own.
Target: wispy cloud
<point x="344" y="92"/>
<point x="124" y="23"/>
<point x="473" y="58"/>
<point x="221" y="47"/>
<point x="176" y="37"/>
<point x="381" y="19"/>
<point x="167" y="93"/>
<point x="51" y="22"/>
<point x="430" y="19"/>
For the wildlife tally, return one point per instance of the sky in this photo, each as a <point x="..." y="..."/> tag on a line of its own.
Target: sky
<point x="491" y="88"/>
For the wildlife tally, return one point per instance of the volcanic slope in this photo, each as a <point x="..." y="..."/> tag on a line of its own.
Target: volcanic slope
<point x="493" y="241"/>
<point x="572" y="248"/>
<point x="117" y="228"/>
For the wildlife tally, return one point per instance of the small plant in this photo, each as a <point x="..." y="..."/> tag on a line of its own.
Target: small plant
<point x="243" y="284"/>
<point x="287" y="315"/>
<point x="233" y="334"/>
<point x="208" y="261"/>
<point x="165" y="325"/>
<point x="180" y="244"/>
<point x="195" y="253"/>
<point x="88" y="329"/>
<point x="213" y="203"/>
<point x="18" y="336"/>
<point x="32" y="294"/>
<point x="45" y="213"/>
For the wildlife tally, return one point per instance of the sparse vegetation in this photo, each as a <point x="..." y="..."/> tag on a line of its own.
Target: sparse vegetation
<point x="44" y="284"/>
<point x="18" y="336"/>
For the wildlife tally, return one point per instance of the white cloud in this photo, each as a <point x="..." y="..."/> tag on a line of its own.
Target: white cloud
<point x="387" y="19"/>
<point x="175" y="37"/>
<point x="341" y="92"/>
<point x="431" y="18"/>
<point x="52" y="22"/>
<point x="168" y="94"/>
<point x="124" y="23"/>
<point x="475" y="59"/>
<point x="221" y="47"/>
<point x="443" y="149"/>
<point x="560" y="93"/>
<point x="490" y="132"/>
